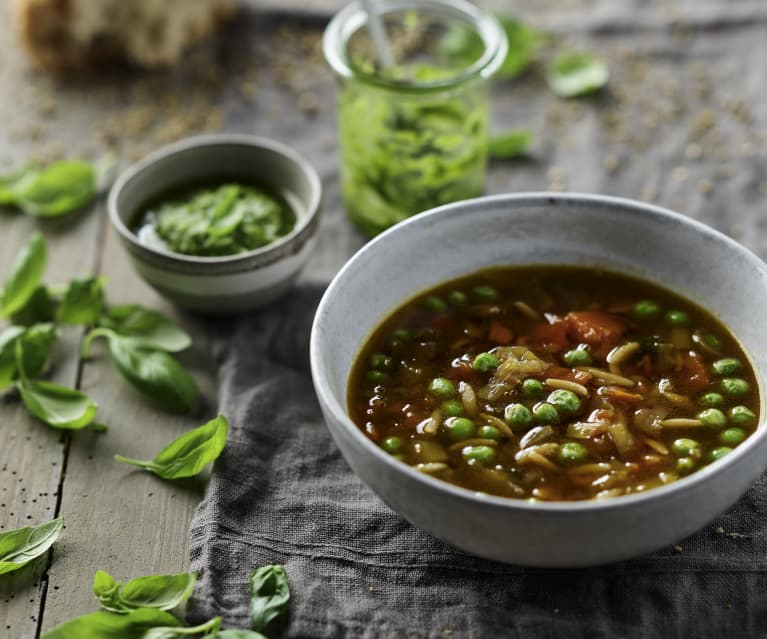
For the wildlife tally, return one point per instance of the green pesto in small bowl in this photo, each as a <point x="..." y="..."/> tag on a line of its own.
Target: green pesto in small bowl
<point x="214" y="218"/>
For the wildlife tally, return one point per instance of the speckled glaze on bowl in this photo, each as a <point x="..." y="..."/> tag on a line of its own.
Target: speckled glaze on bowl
<point x="542" y="228"/>
<point x="220" y="284"/>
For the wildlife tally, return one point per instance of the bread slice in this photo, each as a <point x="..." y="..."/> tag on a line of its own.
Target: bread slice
<point x="72" y="34"/>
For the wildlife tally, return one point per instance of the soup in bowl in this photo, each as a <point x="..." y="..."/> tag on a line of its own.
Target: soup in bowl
<point x="551" y="380"/>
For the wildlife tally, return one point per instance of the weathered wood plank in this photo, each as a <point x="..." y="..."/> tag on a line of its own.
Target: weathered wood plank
<point x="119" y="519"/>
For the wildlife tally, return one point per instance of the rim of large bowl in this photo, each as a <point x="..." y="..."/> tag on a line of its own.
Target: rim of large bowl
<point x="268" y="253"/>
<point x="622" y="205"/>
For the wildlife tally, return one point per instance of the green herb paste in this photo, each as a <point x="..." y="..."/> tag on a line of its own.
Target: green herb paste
<point x="406" y="152"/>
<point x="215" y="221"/>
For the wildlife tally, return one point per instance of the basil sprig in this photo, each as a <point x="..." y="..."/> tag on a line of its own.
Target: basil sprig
<point x="25" y="275"/>
<point x="269" y="595"/>
<point x="164" y="592"/>
<point x="21" y="546"/>
<point x="189" y="454"/>
<point x="58" y="188"/>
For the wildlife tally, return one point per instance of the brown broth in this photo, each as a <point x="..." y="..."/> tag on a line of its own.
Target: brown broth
<point x="616" y="440"/>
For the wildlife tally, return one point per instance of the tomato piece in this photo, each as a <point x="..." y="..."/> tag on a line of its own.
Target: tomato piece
<point x="595" y="328"/>
<point x="499" y="334"/>
<point x="553" y="335"/>
<point x="692" y="375"/>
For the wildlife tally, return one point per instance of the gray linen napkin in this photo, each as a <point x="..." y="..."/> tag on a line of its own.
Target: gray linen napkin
<point x="684" y="124"/>
<point x="282" y="493"/>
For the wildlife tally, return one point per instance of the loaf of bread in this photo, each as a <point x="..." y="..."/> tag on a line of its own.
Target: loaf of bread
<point x="72" y="34"/>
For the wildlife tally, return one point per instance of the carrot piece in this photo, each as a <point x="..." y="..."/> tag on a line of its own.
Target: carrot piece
<point x="499" y="333"/>
<point x="620" y="395"/>
<point x="595" y="328"/>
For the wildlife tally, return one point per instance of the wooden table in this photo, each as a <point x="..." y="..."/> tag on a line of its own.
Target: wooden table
<point x="127" y="522"/>
<point x="131" y="523"/>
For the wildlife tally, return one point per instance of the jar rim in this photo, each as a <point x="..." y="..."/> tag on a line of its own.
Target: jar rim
<point x="353" y="17"/>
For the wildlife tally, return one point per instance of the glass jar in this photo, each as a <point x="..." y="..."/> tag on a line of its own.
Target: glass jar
<point x="412" y="135"/>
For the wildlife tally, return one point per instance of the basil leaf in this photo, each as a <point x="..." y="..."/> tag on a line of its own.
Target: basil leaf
<point x="106" y="590"/>
<point x="575" y="73"/>
<point x="40" y="307"/>
<point x="510" y="144"/>
<point x="150" y="327"/>
<point x="462" y="46"/>
<point x="172" y="633"/>
<point x="8" y="184"/>
<point x="161" y="591"/>
<point x="155" y="373"/>
<point x="8" y="355"/>
<point x="189" y="454"/>
<point x="25" y="275"/>
<point x="83" y="301"/>
<point x="237" y="634"/>
<point x="57" y="406"/>
<point x="19" y="547"/>
<point x="269" y="595"/>
<point x="37" y="343"/>
<point x="57" y="189"/>
<point x="105" y="625"/>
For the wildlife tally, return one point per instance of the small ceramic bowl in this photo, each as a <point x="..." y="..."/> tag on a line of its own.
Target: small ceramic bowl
<point x="624" y="236"/>
<point x="220" y="284"/>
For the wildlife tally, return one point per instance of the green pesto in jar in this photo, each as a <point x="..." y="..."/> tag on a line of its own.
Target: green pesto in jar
<point x="403" y="152"/>
<point x="214" y="219"/>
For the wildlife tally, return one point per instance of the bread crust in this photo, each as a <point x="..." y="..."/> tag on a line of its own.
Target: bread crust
<point x="64" y="35"/>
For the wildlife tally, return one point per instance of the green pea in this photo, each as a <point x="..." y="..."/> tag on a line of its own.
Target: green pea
<point x="379" y="361"/>
<point x="401" y="335"/>
<point x="489" y="432"/>
<point x="392" y="444"/>
<point x="742" y="416"/>
<point x="518" y="416"/>
<point x="565" y="401"/>
<point x="545" y="413"/>
<point x="727" y="366"/>
<point x="686" y="447"/>
<point x="459" y="428"/>
<point x="458" y="298"/>
<point x="646" y="309"/>
<point x="434" y="303"/>
<point x="485" y="293"/>
<point x="442" y="387"/>
<point x="577" y="357"/>
<point x="713" y="418"/>
<point x="718" y="453"/>
<point x="485" y="362"/>
<point x="572" y="453"/>
<point x="452" y="408"/>
<point x="711" y="400"/>
<point x="677" y="318"/>
<point x="713" y="341"/>
<point x="735" y="387"/>
<point x="732" y="436"/>
<point x="482" y="454"/>
<point x="685" y="465"/>
<point x="532" y="388"/>
<point x="399" y="457"/>
<point x="377" y="377"/>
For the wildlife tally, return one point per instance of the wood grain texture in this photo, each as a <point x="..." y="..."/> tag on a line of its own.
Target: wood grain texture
<point x="121" y="519"/>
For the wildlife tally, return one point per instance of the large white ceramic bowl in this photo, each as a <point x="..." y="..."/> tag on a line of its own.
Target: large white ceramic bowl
<point x="531" y="228"/>
<point x="220" y="284"/>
